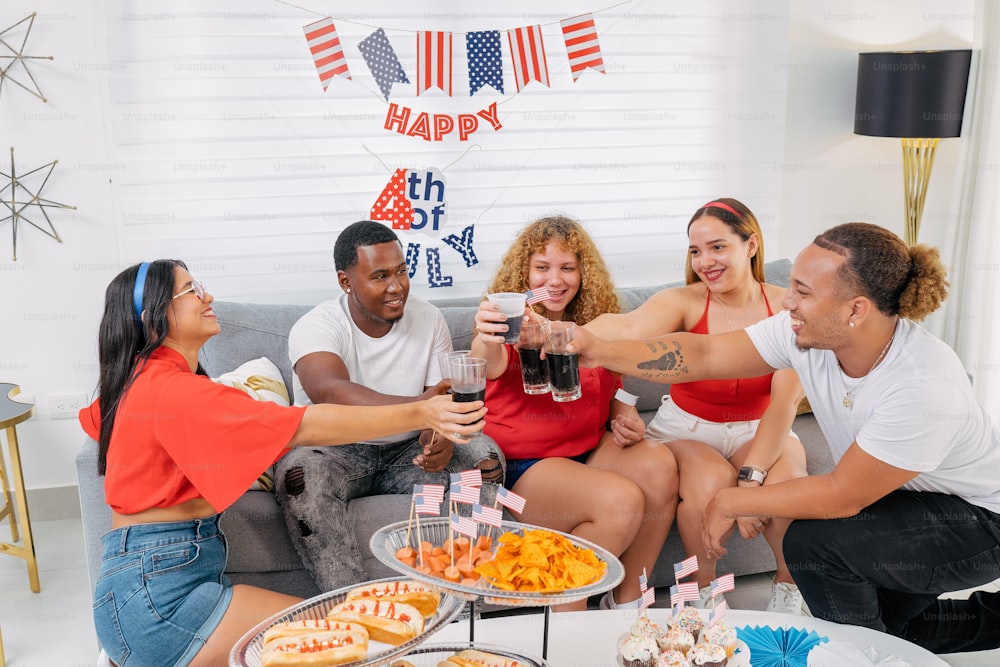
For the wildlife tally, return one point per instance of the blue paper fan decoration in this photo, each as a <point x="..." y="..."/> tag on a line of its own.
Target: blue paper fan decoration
<point x="778" y="647"/>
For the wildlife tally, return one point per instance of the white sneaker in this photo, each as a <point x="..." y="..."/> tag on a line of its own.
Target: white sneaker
<point x="786" y="599"/>
<point x="704" y="600"/>
<point x="608" y="602"/>
<point x="103" y="660"/>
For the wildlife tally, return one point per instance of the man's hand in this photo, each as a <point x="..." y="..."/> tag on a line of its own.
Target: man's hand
<point x="716" y="524"/>
<point x="437" y="452"/>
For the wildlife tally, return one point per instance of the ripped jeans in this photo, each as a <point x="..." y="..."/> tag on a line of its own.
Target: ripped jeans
<point x="314" y="485"/>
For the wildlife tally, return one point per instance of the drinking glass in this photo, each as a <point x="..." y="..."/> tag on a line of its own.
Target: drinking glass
<point x="468" y="380"/>
<point x="534" y="371"/>
<point x="564" y="369"/>
<point x="512" y="305"/>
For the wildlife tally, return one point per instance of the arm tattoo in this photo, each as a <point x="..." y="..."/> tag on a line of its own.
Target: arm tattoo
<point x="670" y="364"/>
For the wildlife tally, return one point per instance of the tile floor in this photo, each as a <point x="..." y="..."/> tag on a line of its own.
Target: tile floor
<point x="53" y="628"/>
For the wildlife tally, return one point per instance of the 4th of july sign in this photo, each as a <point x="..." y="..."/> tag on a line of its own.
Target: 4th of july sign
<point x="414" y="200"/>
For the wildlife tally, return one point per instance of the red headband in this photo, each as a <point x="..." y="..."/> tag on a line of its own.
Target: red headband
<point x="724" y="207"/>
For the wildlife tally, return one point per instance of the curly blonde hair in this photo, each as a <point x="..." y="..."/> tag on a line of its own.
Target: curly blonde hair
<point x="597" y="291"/>
<point x="907" y="281"/>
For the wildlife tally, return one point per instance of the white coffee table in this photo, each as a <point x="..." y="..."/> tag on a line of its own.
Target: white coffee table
<point x="588" y="638"/>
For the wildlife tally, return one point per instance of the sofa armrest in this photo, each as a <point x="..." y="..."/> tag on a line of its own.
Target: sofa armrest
<point x="93" y="508"/>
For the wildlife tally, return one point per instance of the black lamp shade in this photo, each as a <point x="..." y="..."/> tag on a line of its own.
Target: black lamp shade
<point x="911" y="94"/>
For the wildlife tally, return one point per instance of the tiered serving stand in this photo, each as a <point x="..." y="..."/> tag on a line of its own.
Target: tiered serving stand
<point x="455" y="597"/>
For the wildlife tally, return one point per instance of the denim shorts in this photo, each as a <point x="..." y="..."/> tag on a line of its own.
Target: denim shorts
<point x="161" y="591"/>
<point x="517" y="467"/>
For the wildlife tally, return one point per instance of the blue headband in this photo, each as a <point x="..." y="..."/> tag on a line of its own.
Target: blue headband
<point x="140" y="286"/>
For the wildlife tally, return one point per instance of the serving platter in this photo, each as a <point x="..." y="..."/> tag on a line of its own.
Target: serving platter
<point x="388" y="539"/>
<point x="432" y="655"/>
<point x="246" y="652"/>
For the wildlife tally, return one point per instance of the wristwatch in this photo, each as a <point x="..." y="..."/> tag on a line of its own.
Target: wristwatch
<point x="751" y="474"/>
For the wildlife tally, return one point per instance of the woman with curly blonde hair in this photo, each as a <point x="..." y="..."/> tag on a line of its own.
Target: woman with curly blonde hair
<point x="596" y="295"/>
<point x="583" y="466"/>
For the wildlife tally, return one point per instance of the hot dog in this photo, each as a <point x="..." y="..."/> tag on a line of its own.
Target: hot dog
<point x="425" y="599"/>
<point x="389" y="622"/>
<point x="308" y="626"/>
<point x="316" y="649"/>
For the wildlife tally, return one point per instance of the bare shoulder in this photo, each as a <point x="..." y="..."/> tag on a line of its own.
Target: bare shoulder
<point x="775" y="294"/>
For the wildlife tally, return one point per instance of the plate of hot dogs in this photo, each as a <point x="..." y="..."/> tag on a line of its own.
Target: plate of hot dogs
<point x="365" y="625"/>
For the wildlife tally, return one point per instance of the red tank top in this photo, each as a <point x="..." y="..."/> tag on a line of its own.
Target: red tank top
<point x="724" y="400"/>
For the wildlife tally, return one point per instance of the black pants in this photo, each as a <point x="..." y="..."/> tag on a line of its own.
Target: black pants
<point x="885" y="568"/>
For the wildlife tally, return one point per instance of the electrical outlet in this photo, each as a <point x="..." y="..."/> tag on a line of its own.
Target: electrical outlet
<point x="65" y="406"/>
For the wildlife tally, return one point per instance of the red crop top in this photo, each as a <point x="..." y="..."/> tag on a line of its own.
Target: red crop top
<point x="724" y="400"/>
<point x="180" y="436"/>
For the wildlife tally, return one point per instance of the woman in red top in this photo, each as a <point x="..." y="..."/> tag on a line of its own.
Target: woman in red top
<point x="582" y="466"/>
<point x="723" y="433"/>
<point x="176" y="450"/>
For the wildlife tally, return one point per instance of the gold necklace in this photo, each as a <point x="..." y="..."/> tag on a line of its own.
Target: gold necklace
<point x="848" y="400"/>
<point x="725" y="310"/>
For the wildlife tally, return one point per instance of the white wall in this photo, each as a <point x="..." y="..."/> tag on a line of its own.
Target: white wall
<point x="199" y="130"/>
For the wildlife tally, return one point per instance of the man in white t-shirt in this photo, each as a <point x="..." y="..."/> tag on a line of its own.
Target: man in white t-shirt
<point x="911" y="509"/>
<point x="373" y="345"/>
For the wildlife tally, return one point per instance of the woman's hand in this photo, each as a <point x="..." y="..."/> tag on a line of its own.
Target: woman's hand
<point x="457" y="421"/>
<point x="491" y="324"/>
<point x="628" y="428"/>
<point x="437" y="452"/>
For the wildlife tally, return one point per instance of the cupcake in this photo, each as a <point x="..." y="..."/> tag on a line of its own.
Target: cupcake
<point x="637" y="651"/>
<point x="722" y="634"/>
<point x="645" y="627"/>
<point x="672" y="658"/>
<point x="677" y="639"/>
<point x="707" y="655"/>
<point x="689" y="619"/>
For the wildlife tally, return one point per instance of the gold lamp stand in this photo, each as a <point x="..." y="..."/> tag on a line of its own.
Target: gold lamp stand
<point x="918" y="158"/>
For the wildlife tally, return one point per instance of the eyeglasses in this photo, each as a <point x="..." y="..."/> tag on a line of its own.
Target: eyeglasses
<point x="196" y="287"/>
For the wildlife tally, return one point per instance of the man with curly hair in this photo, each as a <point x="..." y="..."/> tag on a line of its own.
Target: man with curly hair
<point x="911" y="509"/>
<point x="583" y="466"/>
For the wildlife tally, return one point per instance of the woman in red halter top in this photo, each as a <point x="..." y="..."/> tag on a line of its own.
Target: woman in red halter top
<point x="723" y="433"/>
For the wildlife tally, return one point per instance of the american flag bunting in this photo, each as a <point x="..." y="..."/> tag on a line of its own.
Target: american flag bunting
<point x="485" y="60"/>
<point x="488" y="515"/>
<point x="723" y="584"/>
<point x="434" y="53"/>
<point x="470" y="477"/>
<point x="527" y="50"/>
<point x="582" y="48"/>
<point x="326" y="50"/>
<point x="460" y="493"/>
<point x="382" y="61"/>
<point x="685" y="567"/>
<point x="510" y="500"/>
<point x="533" y="296"/>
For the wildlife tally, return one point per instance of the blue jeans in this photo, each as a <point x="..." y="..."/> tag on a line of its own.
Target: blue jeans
<point x="160" y="592"/>
<point x="314" y="485"/>
<point x="885" y="567"/>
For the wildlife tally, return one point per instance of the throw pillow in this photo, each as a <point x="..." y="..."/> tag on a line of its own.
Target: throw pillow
<point x="261" y="380"/>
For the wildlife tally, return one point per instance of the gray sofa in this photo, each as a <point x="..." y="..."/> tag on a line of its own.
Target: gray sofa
<point x="260" y="550"/>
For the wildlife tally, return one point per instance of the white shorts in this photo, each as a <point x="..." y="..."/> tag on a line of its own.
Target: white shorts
<point x="672" y="423"/>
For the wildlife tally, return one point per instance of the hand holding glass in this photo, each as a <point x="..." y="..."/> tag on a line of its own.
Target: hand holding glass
<point x="564" y="368"/>
<point x="468" y="380"/>
<point x="534" y="371"/>
<point x="512" y="305"/>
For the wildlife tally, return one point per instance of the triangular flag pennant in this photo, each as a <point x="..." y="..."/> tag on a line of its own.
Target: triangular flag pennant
<point x="528" y="53"/>
<point x="580" y="35"/>
<point x="485" y="64"/>
<point x="433" y="61"/>
<point x="327" y="52"/>
<point x="382" y="61"/>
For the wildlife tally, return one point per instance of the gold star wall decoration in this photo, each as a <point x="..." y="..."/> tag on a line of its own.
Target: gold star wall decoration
<point x="16" y="187"/>
<point x="10" y="58"/>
